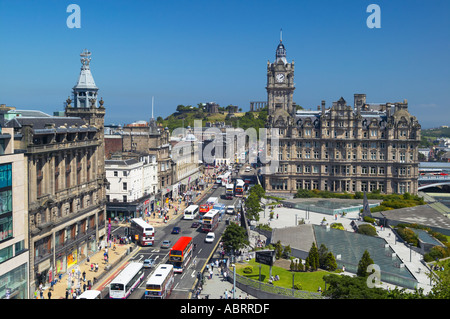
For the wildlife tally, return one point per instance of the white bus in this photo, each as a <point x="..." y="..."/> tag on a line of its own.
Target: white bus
<point x="226" y="178"/>
<point x="90" y="294"/>
<point x="191" y="212"/>
<point x="126" y="281"/>
<point x="160" y="284"/>
<point x="142" y="232"/>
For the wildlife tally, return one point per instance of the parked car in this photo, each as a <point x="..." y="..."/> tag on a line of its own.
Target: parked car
<point x="148" y="263"/>
<point x="176" y="230"/>
<point x="210" y="237"/>
<point x="166" y="244"/>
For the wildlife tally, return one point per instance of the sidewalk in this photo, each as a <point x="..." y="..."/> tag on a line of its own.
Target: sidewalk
<point x="96" y="278"/>
<point x="218" y="288"/>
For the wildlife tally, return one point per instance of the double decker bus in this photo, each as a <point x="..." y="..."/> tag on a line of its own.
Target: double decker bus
<point x="239" y="188"/>
<point x="210" y="220"/>
<point x="229" y="191"/>
<point x="126" y="281"/>
<point x="181" y="253"/>
<point x="160" y="284"/>
<point x="191" y="212"/>
<point x="142" y="232"/>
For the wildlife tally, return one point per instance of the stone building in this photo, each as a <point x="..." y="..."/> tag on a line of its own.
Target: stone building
<point x="66" y="180"/>
<point x="153" y="140"/>
<point x="339" y="148"/>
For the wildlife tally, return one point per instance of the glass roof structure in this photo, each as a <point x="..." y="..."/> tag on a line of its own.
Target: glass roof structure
<point x="348" y="248"/>
<point x="329" y="206"/>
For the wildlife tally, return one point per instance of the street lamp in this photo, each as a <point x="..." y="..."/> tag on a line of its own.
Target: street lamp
<point x="234" y="280"/>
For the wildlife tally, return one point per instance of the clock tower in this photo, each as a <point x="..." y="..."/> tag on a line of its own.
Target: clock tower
<point x="280" y="89"/>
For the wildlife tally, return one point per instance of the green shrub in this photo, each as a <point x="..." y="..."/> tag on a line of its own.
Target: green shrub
<point x="367" y="229"/>
<point x="408" y="235"/>
<point x="298" y="286"/>
<point x="368" y="219"/>
<point x="248" y="270"/>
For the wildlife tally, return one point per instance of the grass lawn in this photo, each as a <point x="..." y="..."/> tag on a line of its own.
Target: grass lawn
<point x="310" y="281"/>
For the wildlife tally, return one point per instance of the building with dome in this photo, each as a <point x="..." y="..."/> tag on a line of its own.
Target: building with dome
<point x="338" y="148"/>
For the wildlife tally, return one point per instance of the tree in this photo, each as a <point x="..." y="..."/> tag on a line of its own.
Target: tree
<point x="330" y="262"/>
<point x="313" y="257"/>
<point x="253" y="206"/>
<point x="323" y="251"/>
<point x="346" y="287"/>
<point x="365" y="261"/>
<point x="278" y="250"/>
<point x="234" y="238"/>
<point x="286" y="251"/>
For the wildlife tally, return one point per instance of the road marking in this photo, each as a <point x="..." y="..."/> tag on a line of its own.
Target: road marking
<point x="193" y="273"/>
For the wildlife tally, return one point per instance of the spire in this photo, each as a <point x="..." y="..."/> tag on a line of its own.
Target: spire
<point x="85" y="91"/>
<point x="85" y="80"/>
<point x="281" y="50"/>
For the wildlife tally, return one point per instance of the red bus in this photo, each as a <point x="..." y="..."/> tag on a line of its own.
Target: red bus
<point x="204" y="208"/>
<point x="180" y="254"/>
<point x="210" y="220"/>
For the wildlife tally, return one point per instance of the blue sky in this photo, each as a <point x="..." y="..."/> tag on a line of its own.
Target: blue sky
<point x="187" y="52"/>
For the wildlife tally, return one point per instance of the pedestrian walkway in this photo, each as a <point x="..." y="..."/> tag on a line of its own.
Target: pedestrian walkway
<point x="217" y="287"/>
<point x="74" y="279"/>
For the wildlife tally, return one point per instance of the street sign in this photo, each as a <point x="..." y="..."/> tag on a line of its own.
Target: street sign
<point x="266" y="257"/>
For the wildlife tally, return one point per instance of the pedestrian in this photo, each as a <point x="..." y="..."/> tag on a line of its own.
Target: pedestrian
<point x="67" y="294"/>
<point x="49" y="294"/>
<point x="92" y="266"/>
<point x="96" y="267"/>
<point x="84" y="276"/>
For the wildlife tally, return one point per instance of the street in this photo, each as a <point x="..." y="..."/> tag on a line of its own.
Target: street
<point x="184" y="281"/>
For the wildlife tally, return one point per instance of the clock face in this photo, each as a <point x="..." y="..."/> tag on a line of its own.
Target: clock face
<point x="280" y="77"/>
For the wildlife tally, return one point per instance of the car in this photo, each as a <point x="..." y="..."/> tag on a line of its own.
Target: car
<point x="195" y="225"/>
<point x="248" y="169"/>
<point x="166" y="244"/>
<point x="148" y="263"/>
<point x="215" y="186"/>
<point x="230" y="209"/>
<point x="176" y="230"/>
<point x="210" y="237"/>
